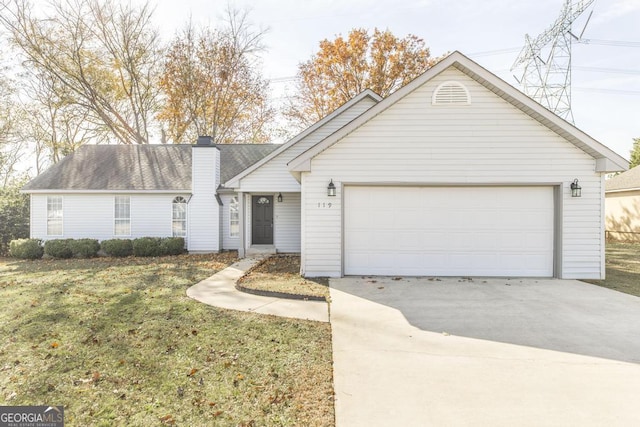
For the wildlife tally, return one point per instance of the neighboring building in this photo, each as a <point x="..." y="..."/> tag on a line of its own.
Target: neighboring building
<point x="457" y="173"/>
<point x="622" y="206"/>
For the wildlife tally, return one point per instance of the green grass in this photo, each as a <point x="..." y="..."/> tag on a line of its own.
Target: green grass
<point x="623" y="268"/>
<point x="117" y="342"/>
<point x="281" y="273"/>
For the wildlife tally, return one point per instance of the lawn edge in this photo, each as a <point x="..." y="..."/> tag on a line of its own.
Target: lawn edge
<point x="276" y="294"/>
<point x="273" y="294"/>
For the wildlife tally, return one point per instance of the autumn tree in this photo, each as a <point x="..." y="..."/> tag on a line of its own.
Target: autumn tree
<point x="212" y="85"/>
<point x="344" y="67"/>
<point x="635" y="153"/>
<point x="102" y="56"/>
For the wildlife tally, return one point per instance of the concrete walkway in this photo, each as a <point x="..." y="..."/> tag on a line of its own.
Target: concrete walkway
<point x="219" y="291"/>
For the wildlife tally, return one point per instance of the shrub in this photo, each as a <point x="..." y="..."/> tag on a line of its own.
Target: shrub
<point x="26" y="248"/>
<point x="147" y="246"/>
<point x="172" y="245"/>
<point x="58" y="248"/>
<point x="117" y="247"/>
<point x="84" y="248"/>
<point x="14" y="215"/>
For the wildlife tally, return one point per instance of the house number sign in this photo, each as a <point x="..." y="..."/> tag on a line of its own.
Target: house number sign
<point x="324" y="205"/>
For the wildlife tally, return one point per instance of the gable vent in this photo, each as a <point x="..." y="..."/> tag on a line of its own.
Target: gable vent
<point x="451" y="93"/>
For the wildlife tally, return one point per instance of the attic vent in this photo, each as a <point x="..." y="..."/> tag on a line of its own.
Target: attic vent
<point x="451" y="93"/>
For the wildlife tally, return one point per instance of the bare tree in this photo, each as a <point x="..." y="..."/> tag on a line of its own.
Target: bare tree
<point x="103" y="56"/>
<point x="10" y="146"/>
<point x="212" y="85"/>
<point x="54" y="124"/>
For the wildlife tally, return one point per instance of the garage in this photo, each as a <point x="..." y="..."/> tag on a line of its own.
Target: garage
<point x="449" y="231"/>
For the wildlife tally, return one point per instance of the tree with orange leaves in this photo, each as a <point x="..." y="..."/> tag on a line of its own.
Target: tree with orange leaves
<point x="212" y="84"/>
<point x="344" y="67"/>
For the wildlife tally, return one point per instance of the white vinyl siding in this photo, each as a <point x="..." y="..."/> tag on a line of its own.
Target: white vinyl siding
<point x="228" y="242"/>
<point x="54" y="216"/>
<point x="234" y="217"/>
<point x="274" y="176"/>
<point x="488" y="142"/>
<point x="179" y="217"/>
<point x="204" y="209"/>
<point x="287" y="223"/>
<point x="92" y="216"/>
<point x="122" y="216"/>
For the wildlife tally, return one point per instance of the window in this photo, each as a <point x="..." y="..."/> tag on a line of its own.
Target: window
<point x="179" y="217"/>
<point x="234" y="218"/>
<point x="451" y="93"/>
<point x="54" y="216"/>
<point x="122" y="216"/>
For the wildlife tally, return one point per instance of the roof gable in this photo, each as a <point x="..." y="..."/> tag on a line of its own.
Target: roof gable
<point x="368" y="93"/>
<point x="606" y="159"/>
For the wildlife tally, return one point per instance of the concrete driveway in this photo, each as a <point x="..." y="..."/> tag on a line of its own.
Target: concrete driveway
<point x="484" y="352"/>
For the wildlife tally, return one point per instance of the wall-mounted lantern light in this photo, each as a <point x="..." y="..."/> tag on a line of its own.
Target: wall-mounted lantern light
<point x="279" y="197"/>
<point x="576" y="190"/>
<point x="331" y="189"/>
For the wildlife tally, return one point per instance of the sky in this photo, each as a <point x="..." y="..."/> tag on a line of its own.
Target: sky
<point x="605" y="76"/>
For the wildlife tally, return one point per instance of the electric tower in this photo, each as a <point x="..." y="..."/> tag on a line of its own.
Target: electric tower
<point x="546" y="61"/>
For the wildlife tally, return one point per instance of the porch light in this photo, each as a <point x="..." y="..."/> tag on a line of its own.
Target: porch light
<point x="576" y="190"/>
<point x="279" y="197"/>
<point x="331" y="189"/>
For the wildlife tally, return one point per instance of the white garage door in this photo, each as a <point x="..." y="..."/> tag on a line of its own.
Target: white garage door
<point x="449" y="231"/>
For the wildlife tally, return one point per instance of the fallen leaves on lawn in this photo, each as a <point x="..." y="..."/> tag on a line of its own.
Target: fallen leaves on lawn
<point x="168" y="419"/>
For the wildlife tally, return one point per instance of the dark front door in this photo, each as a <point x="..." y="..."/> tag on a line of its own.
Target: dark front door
<point x="262" y="220"/>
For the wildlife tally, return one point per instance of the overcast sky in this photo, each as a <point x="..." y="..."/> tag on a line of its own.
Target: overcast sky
<point x="606" y="78"/>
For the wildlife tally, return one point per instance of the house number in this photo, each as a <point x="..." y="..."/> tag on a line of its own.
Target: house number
<point x="324" y="205"/>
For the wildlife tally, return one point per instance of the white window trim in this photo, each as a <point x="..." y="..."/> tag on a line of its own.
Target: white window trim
<point x="116" y="219"/>
<point x="61" y="217"/>
<point x="186" y="217"/>
<point x="237" y="209"/>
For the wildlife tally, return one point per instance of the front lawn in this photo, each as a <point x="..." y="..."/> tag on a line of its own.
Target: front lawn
<point x="623" y="268"/>
<point x="117" y="342"/>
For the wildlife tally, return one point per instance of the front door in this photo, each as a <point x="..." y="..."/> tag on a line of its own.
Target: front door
<point x="262" y="220"/>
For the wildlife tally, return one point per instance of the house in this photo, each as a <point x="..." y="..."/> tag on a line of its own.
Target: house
<point x="457" y="173"/>
<point x="622" y="206"/>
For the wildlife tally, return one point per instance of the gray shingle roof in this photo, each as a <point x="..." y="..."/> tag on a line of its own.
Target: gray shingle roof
<point x="234" y="158"/>
<point x="624" y="181"/>
<point x="140" y="167"/>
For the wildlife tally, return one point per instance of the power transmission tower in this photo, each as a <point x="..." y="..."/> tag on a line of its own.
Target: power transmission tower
<point x="546" y="61"/>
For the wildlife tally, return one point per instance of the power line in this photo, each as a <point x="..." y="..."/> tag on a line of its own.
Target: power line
<point x="618" y="43"/>
<point x="607" y="70"/>
<point x="611" y="91"/>
<point x="495" y="52"/>
<point x="283" y="79"/>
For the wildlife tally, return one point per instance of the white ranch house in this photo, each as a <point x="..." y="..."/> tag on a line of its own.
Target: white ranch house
<point x="457" y="173"/>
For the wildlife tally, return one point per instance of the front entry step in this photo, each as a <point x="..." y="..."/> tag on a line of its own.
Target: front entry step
<point x="261" y="250"/>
